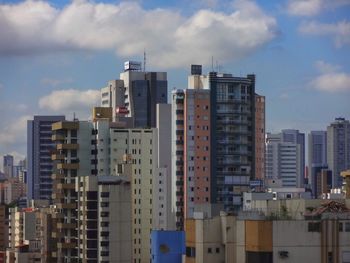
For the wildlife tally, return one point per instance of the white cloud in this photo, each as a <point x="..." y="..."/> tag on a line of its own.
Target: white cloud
<point x="331" y="78"/>
<point x="326" y="67"/>
<point x="69" y="101"/>
<point x="170" y="39"/>
<point x="340" y="31"/>
<point x="313" y="7"/>
<point x="14" y="132"/>
<point x="332" y="82"/>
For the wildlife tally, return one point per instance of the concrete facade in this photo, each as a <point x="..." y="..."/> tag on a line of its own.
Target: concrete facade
<point x="136" y="95"/>
<point x="259" y="137"/>
<point x="283" y="160"/>
<point x="104" y="223"/>
<point x="228" y="238"/>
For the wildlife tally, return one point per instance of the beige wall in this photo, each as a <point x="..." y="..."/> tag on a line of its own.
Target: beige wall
<point x="293" y="236"/>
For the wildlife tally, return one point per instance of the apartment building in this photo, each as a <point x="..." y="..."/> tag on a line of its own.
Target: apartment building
<point x="215" y="116"/>
<point x="259" y="137"/>
<point x="323" y="237"/>
<point x="75" y="142"/>
<point x="97" y="149"/>
<point x="39" y="147"/>
<point x="195" y="156"/>
<point x="104" y="223"/>
<point x="177" y="156"/>
<point x="29" y="235"/>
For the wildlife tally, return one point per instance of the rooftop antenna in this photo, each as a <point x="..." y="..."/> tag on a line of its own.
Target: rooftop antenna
<point x="212" y="63"/>
<point x="144" y="60"/>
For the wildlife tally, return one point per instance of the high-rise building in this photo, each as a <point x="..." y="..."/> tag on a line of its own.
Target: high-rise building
<point x="259" y="136"/>
<point x="98" y="149"/>
<point x="232" y="135"/>
<point x="177" y="153"/>
<point x="39" y="147"/>
<point x="283" y="161"/>
<point x="294" y="136"/>
<point x="317" y="156"/>
<point x="338" y="149"/>
<point x="193" y="157"/>
<point x="136" y="94"/>
<point x="8" y="165"/>
<point x="104" y="224"/>
<point x="217" y="118"/>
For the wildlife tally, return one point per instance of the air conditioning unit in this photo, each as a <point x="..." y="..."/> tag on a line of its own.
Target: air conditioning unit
<point x="283" y="254"/>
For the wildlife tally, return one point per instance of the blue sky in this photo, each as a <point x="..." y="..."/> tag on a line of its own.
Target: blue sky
<point x="56" y="55"/>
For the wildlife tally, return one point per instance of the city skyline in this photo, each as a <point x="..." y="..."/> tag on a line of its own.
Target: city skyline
<point x="297" y="49"/>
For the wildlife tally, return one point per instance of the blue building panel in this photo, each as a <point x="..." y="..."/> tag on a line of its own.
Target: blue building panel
<point x="167" y="246"/>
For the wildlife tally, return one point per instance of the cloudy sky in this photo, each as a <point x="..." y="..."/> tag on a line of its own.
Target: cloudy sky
<point x="56" y="55"/>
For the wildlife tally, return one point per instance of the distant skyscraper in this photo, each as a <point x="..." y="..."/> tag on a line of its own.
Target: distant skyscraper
<point x="284" y="158"/>
<point x="39" y="148"/>
<point x="338" y="148"/>
<point x="8" y="165"/>
<point x="294" y="136"/>
<point x="136" y="94"/>
<point x="317" y="156"/>
<point x="259" y="136"/>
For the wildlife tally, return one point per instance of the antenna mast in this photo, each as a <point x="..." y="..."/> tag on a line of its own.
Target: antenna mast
<point x="144" y="60"/>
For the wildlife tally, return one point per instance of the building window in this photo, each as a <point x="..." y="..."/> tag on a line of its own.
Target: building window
<point x="190" y="252"/>
<point x="347" y="227"/>
<point x="217" y="250"/>
<point x="340" y="227"/>
<point x="314" y="227"/>
<point x="209" y="250"/>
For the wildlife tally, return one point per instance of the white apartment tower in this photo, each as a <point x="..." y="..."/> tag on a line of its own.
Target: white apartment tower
<point x="283" y="161"/>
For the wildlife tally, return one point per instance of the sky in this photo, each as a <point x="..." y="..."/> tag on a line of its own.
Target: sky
<point x="56" y="55"/>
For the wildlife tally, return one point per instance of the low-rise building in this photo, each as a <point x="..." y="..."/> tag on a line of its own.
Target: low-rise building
<point x="322" y="234"/>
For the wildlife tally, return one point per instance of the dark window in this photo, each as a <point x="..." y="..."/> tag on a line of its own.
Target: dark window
<point x="340" y="227"/>
<point x="104" y="234"/>
<point x="314" y="227"/>
<point x="105" y="194"/>
<point x="190" y="252"/>
<point x="347" y="227"/>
